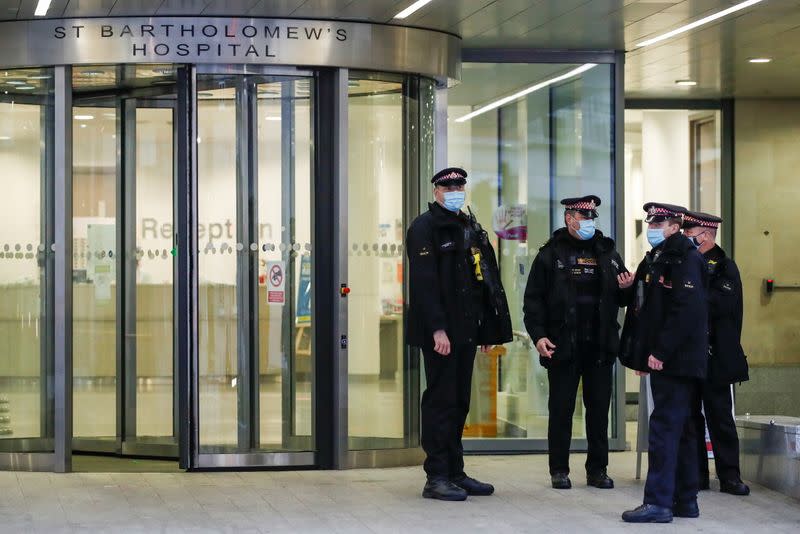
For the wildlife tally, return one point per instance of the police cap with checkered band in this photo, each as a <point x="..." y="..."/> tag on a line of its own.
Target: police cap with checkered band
<point x="658" y="212"/>
<point x="586" y="206"/>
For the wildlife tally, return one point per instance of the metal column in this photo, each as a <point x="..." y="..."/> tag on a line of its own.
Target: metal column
<point x="186" y="282"/>
<point x="329" y="223"/>
<point x="63" y="268"/>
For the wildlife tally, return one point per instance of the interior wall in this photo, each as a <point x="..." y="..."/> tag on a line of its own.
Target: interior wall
<point x="766" y="190"/>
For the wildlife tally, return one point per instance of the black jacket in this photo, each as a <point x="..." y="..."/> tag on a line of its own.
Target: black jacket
<point x="668" y="311"/>
<point x="441" y="281"/>
<point x="727" y="363"/>
<point x="549" y="305"/>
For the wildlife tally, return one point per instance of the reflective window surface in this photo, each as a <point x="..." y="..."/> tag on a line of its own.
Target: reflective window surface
<point x="553" y="140"/>
<point x="26" y="357"/>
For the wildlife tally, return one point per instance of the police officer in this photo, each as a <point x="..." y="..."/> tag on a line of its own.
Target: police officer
<point x="727" y="363"/>
<point x="665" y="334"/>
<point x="571" y="304"/>
<point x="457" y="303"/>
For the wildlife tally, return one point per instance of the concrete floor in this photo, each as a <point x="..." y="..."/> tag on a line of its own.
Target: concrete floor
<point x="377" y="500"/>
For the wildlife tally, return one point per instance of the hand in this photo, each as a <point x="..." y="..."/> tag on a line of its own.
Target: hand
<point x="486" y="348"/>
<point x="641" y="373"/>
<point x="545" y="347"/>
<point x="441" y="343"/>
<point x="654" y="363"/>
<point x="625" y="280"/>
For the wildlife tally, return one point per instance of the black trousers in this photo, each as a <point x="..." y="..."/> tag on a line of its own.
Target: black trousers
<point x="597" y="385"/>
<point x="445" y="405"/>
<point x="718" y="407"/>
<point x="672" y="450"/>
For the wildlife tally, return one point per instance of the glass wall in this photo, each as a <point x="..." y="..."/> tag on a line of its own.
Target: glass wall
<point x="528" y="135"/>
<point x="26" y="355"/>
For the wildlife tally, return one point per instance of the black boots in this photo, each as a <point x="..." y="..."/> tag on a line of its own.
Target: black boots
<point x="648" y="513"/>
<point x="560" y="481"/>
<point x="600" y="480"/>
<point x="473" y="487"/>
<point x="443" y="490"/>
<point x="734" y="487"/>
<point x="688" y="510"/>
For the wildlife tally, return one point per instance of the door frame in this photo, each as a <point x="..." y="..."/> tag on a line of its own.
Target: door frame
<point x="191" y="457"/>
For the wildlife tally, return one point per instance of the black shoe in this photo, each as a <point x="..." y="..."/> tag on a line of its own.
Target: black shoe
<point x="734" y="487"/>
<point x="704" y="484"/>
<point x="688" y="510"/>
<point x="443" y="490"/>
<point x="472" y="486"/>
<point x="600" y="480"/>
<point x="648" y="513"/>
<point x="560" y="481"/>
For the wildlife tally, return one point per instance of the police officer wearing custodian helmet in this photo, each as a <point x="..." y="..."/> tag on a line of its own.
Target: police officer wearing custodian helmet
<point x="456" y="304"/>
<point x="666" y="335"/>
<point x="727" y="363"/>
<point x="572" y="298"/>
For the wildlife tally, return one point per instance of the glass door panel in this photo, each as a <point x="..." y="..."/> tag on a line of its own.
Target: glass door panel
<point x="217" y="237"/>
<point x="26" y="357"/>
<point x="151" y="376"/>
<point x="94" y="312"/>
<point x="379" y="384"/>
<point x="123" y="175"/>
<point x="255" y="155"/>
<point x="284" y="242"/>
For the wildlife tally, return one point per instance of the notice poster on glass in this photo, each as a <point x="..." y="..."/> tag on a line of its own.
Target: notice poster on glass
<point x="100" y="264"/>
<point x="276" y="282"/>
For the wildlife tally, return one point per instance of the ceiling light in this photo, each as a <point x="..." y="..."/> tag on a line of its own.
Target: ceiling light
<point x="695" y="24"/>
<point x="15" y="82"/>
<point x="41" y="8"/>
<point x="83" y="117"/>
<point x="39" y="77"/>
<point x="503" y="101"/>
<point x="25" y="87"/>
<point x="419" y="4"/>
<point x="686" y="82"/>
<point x="5" y="138"/>
<point x="272" y="118"/>
<point x="760" y="60"/>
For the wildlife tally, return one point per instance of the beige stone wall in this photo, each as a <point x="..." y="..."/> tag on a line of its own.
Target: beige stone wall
<point x="766" y="192"/>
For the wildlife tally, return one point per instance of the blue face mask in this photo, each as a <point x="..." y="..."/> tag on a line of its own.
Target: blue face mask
<point x="454" y="200"/>
<point x="655" y="236"/>
<point x="586" y="231"/>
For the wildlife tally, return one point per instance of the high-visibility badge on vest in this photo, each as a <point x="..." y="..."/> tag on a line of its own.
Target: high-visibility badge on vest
<point x="476" y="261"/>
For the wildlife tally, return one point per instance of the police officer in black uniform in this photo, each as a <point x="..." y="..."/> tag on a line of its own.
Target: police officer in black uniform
<point x="457" y="303"/>
<point x="571" y="304"/>
<point x="727" y="363"/>
<point x="666" y="335"/>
